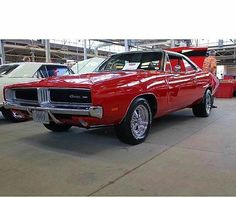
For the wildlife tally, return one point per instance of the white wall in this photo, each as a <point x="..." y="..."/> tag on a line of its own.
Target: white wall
<point x="225" y="70"/>
<point x="231" y="70"/>
<point x="220" y="70"/>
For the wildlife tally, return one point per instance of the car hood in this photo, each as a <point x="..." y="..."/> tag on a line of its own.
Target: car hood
<point x="86" y="80"/>
<point x="5" y="80"/>
<point x="3" y="76"/>
<point x="96" y="78"/>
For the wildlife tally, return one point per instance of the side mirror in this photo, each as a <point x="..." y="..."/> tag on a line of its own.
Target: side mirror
<point x="177" y="68"/>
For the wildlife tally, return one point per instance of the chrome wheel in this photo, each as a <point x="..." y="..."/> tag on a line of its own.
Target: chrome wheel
<point x="135" y="127"/>
<point x="208" y="102"/>
<point x="14" y="116"/>
<point x="203" y="109"/>
<point x="17" y="115"/>
<point x="139" y="121"/>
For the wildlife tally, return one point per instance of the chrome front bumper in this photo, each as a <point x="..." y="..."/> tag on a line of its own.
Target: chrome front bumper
<point x="92" y="111"/>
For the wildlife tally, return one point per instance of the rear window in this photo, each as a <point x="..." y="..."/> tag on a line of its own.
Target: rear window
<point x="7" y="69"/>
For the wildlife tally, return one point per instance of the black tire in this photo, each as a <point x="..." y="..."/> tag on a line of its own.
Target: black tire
<point x="12" y="117"/>
<point x="125" y="132"/>
<point x="203" y="109"/>
<point x="57" y="127"/>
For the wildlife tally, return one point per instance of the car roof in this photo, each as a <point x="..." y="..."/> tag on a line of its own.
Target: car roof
<point x="150" y="51"/>
<point x="133" y="52"/>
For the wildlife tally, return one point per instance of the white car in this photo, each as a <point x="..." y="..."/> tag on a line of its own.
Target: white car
<point x="87" y="66"/>
<point x="26" y="72"/>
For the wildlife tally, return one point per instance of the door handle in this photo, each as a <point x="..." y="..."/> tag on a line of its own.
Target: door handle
<point x="176" y="75"/>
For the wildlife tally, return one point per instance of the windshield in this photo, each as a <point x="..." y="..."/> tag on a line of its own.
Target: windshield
<point x="87" y="66"/>
<point x="133" y="61"/>
<point x="7" y="69"/>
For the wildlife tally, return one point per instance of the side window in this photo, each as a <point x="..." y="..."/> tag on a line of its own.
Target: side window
<point x="177" y="63"/>
<point x="42" y="72"/>
<point x="151" y="61"/>
<point x="189" y="66"/>
<point x="52" y="70"/>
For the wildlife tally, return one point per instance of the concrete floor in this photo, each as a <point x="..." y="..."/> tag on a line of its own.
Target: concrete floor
<point x="183" y="155"/>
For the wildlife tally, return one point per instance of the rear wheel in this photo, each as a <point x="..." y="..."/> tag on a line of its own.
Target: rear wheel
<point x="57" y="127"/>
<point x="135" y="127"/>
<point x="203" y="109"/>
<point x="13" y="116"/>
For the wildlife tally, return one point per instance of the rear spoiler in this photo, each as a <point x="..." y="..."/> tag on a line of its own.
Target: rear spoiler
<point x="195" y="54"/>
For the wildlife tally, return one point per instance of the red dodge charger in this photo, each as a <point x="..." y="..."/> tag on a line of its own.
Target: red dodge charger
<point x="128" y="91"/>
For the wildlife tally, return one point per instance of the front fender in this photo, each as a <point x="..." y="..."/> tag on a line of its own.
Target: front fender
<point x="115" y="101"/>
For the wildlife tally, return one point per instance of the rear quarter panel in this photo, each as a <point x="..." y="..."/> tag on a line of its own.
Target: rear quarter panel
<point x="204" y="81"/>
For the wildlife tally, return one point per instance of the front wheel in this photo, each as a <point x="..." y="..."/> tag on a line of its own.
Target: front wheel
<point x="203" y="109"/>
<point x="13" y="116"/>
<point x="135" y="126"/>
<point x="57" y="127"/>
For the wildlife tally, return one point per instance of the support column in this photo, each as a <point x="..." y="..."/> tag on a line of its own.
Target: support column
<point x="172" y="43"/>
<point x="85" y="50"/>
<point x="126" y="45"/>
<point x="47" y="49"/>
<point x="196" y="42"/>
<point x="2" y="52"/>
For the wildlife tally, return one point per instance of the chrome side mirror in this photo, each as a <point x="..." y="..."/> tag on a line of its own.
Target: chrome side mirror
<point x="177" y="68"/>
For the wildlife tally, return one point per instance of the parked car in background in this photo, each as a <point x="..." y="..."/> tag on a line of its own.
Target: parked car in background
<point x="128" y="91"/>
<point x="87" y="66"/>
<point x="26" y="72"/>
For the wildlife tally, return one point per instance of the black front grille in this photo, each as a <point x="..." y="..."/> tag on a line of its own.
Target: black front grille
<point x="70" y="95"/>
<point x="26" y="94"/>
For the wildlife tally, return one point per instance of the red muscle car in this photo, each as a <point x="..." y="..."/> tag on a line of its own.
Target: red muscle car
<point x="128" y="91"/>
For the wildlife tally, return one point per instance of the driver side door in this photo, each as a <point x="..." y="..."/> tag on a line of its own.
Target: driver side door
<point x="180" y="83"/>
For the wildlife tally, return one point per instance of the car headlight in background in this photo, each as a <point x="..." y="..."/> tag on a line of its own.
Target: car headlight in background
<point x="8" y="94"/>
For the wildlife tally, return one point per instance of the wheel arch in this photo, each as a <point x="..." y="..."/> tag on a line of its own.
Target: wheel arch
<point x="209" y="87"/>
<point x="151" y="99"/>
